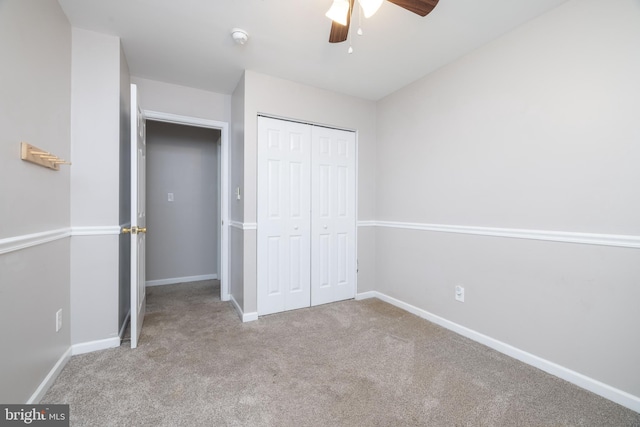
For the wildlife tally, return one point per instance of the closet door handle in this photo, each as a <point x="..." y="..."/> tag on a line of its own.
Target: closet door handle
<point x="324" y="226"/>
<point x="295" y="227"/>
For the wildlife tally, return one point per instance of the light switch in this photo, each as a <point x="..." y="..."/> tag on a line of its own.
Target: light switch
<point x="169" y="197"/>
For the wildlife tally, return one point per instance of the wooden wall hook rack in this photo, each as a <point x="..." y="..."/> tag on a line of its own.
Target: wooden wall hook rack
<point x="41" y="157"/>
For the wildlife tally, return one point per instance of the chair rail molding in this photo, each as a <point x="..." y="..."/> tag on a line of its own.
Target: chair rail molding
<point x="244" y="225"/>
<point x="96" y="230"/>
<point x="24" y="241"/>
<point x="619" y="240"/>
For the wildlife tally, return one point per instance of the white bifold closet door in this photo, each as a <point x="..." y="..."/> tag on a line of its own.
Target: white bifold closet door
<point x="333" y="215"/>
<point x="306" y="215"/>
<point x="284" y="215"/>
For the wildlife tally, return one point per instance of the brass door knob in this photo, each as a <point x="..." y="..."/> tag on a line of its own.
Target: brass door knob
<point x="134" y="230"/>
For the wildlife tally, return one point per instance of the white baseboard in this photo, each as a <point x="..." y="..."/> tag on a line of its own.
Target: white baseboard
<point x="176" y="280"/>
<point x="249" y="317"/>
<point x="245" y="317"/>
<point x="88" y="347"/>
<point x="48" y="381"/>
<point x="608" y="392"/>
<point x="123" y="328"/>
<point x="367" y="295"/>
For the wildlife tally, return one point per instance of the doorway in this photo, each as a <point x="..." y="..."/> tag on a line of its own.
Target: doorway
<point x="187" y="180"/>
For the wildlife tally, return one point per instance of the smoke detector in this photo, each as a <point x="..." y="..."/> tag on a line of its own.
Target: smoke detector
<point x="239" y="36"/>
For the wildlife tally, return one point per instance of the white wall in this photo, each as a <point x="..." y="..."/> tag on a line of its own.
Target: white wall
<point x="538" y="130"/>
<point x="282" y="98"/>
<point x="183" y="235"/>
<point x="95" y="186"/>
<point x="35" y="47"/>
<point x="95" y="129"/>
<point x="182" y="100"/>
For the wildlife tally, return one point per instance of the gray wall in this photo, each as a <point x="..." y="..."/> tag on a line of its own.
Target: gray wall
<point x="236" y="211"/>
<point x="537" y="131"/>
<point x="183" y="235"/>
<point x="124" y="242"/>
<point x="35" y="104"/>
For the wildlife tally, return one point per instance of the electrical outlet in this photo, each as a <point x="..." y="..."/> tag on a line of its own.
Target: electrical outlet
<point x="169" y="197"/>
<point x="459" y="293"/>
<point x="58" y="320"/>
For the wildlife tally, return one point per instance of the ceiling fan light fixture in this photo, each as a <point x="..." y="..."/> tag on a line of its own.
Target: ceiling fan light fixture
<point x="339" y="11"/>
<point x="370" y="7"/>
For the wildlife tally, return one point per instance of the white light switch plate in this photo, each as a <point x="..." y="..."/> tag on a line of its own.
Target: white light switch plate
<point x="58" y="320"/>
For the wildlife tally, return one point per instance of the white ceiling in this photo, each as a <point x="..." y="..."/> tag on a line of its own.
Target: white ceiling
<point x="188" y="42"/>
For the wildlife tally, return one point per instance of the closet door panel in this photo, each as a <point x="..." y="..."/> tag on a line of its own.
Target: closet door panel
<point x="283" y="215"/>
<point x="274" y="257"/>
<point x="333" y="222"/>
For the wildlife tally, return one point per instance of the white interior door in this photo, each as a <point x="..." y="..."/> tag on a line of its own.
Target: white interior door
<point x="333" y="231"/>
<point x="283" y="215"/>
<point x="138" y="217"/>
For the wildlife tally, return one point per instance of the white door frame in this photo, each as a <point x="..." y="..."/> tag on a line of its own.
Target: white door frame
<point x="225" y="181"/>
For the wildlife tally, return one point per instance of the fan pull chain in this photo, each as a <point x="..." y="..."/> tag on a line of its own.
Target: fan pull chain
<point x="350" y="50"/>
<point x="360" y="20"/>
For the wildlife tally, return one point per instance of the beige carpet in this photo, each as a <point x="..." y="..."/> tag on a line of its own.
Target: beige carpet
<point x="353" y="363"/>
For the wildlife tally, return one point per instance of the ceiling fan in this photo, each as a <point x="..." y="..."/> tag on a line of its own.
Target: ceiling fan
<point x="341" y="10"/>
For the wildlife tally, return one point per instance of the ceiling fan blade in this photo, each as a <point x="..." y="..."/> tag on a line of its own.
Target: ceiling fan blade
<point x="339" y="32"/>
<point x="420" y="7"/>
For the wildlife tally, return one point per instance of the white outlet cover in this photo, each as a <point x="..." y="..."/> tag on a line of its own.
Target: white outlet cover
<point x="459" y="293"/>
